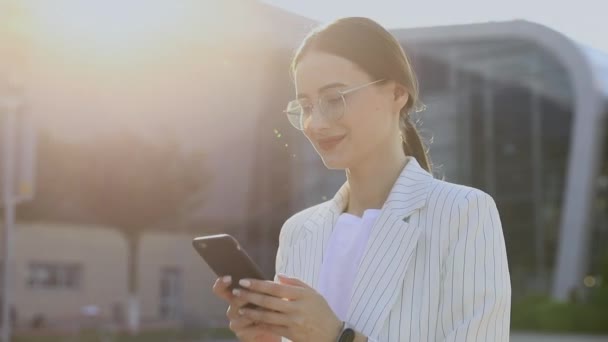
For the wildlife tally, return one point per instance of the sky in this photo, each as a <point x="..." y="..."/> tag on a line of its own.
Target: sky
<point x="585" y="21"/>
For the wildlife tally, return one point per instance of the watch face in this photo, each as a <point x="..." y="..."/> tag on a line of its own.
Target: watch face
<point x="348" y="335"/>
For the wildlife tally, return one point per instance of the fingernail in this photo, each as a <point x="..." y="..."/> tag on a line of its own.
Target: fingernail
<point x="236" y="292"/>
<point x="244" y="283"/>
<point x="227" y="279"/>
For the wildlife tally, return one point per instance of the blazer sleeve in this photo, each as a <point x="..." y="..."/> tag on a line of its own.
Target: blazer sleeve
<point x="475" y="302"/>
<point x="286" y="239"/>
<point x="281" y="258"/>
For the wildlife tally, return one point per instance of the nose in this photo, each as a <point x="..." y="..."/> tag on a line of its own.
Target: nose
<point x="316" y="121"/>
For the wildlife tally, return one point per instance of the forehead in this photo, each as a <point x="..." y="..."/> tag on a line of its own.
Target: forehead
<point x="317" y="69"/>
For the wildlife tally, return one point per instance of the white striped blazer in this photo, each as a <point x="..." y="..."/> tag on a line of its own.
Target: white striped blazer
<point x="434" y="269"/>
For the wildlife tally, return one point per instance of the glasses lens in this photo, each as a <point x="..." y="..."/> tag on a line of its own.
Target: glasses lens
<point x="294" y="114"/>
<point x="332" y="105"/>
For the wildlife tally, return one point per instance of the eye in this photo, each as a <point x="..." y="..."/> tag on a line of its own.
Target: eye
<point x="306" y="108"/>
<point x="332" y="101"/>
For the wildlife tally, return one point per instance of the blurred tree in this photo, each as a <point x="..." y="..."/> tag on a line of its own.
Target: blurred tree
<point x="122" y="181"/>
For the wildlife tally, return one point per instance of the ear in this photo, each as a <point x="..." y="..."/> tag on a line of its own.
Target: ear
<point x="400" y="97"/>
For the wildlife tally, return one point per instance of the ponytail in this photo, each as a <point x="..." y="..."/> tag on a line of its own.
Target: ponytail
<point x="412" y="144"/>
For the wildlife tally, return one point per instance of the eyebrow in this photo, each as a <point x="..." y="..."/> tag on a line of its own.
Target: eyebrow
<point x="323" y="88"/>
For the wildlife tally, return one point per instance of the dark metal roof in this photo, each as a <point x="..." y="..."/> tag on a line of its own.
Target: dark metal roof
<point x="599" y="62"/>
<point x="518" y="51"/>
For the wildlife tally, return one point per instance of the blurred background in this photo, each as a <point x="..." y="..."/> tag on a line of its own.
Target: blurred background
<point x="129" y="127"/>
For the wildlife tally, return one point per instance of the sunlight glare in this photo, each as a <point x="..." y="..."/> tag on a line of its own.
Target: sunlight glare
<point x="109" y="28"/>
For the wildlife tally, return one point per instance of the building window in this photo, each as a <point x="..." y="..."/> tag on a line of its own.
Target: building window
<point x="170" y="293"/>
<point x="54" y="276"/>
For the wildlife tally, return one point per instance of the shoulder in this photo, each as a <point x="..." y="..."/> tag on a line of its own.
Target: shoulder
<point x="456" y="196"/>
<point x="293" y="228"/>
<point x="466" y="211"/>
<point x="460" y="207"/>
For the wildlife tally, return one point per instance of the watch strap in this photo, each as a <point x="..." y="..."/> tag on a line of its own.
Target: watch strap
<point x="347" y="334"/>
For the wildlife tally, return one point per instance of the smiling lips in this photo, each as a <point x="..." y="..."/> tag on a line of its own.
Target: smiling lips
<point x="330" y="142"/>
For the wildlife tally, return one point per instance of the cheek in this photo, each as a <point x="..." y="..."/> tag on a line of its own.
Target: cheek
<point x="372" y="119"/>
<point x="364" y="131"/>
<point x="371" y="128"/>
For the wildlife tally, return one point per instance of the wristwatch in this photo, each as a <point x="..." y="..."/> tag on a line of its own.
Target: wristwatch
<point x="347" y="334"/>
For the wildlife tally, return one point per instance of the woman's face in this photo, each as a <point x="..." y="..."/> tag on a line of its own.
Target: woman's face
<point x="370" y="121"/>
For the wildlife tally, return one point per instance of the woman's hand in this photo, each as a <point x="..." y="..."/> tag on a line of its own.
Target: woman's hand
<point x="292" y="309"/>
<point x="245" y="329"/>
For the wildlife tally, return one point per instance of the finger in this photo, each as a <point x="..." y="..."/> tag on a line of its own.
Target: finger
<point x="240" y="323"/>
<point x="249" y="334"/>
<point x="252" y="331"/>
<point x="220" y="288"/>
<point x="291" y="281"/>
<point x="264" y="301"/>
<point x="273" y="289"/>
<point x="278" y="330"/>
<point x="265" y="316"/>
<point x="233" y="310"/>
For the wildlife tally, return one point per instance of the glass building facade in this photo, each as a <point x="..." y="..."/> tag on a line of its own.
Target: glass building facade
<point x="506" y="114"/>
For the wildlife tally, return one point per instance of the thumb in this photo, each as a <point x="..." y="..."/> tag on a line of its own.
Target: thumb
<point x="284" y="279"/>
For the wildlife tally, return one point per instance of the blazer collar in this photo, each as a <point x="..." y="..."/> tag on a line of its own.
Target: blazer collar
<point x="390" y="247"/>
<point x="407" y="194"/>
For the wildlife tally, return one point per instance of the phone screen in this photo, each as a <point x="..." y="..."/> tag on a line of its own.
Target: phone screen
<point x="225" y="256"/>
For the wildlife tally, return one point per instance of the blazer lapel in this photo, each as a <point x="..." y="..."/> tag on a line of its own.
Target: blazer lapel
<point x="389" y="250"/>
<point x="319" y="228"/>
<point x="391" y="244"/>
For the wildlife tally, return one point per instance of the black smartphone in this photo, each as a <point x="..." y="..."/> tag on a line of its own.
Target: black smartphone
<point x="225" y="256"/>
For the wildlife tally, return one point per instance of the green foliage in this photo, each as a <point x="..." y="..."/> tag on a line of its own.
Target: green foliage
<point x="544" y="314"/>
<point x="148" y="336"/>
<point x="541" y="313"/>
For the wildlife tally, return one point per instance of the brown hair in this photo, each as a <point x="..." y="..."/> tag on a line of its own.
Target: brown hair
<point x="372" y="48"/>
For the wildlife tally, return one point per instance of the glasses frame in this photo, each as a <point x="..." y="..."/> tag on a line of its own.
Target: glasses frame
<point x="342" y="94"/>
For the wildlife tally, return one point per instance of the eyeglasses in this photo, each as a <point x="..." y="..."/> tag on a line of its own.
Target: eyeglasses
<point x="331" y="105"/>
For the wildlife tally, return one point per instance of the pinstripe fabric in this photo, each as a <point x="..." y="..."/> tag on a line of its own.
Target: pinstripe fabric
<point x="434" y="269"/>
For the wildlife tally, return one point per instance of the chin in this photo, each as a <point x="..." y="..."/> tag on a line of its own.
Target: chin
<point x="338" y="158"/>
<point x="335" y="162"/>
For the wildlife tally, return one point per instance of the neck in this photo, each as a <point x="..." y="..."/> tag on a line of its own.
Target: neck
<point x="370" y="182"/>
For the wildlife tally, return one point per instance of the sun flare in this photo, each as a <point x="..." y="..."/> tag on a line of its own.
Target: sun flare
<point x="109" y="29"/>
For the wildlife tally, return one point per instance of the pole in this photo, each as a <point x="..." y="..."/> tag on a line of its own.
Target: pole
<point x="9" y="217"/>
<point x="537" y="179"/>
<point x="489" y="136"/>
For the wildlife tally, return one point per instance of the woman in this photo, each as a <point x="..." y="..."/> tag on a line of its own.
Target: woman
<point x="396" y="255"/>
